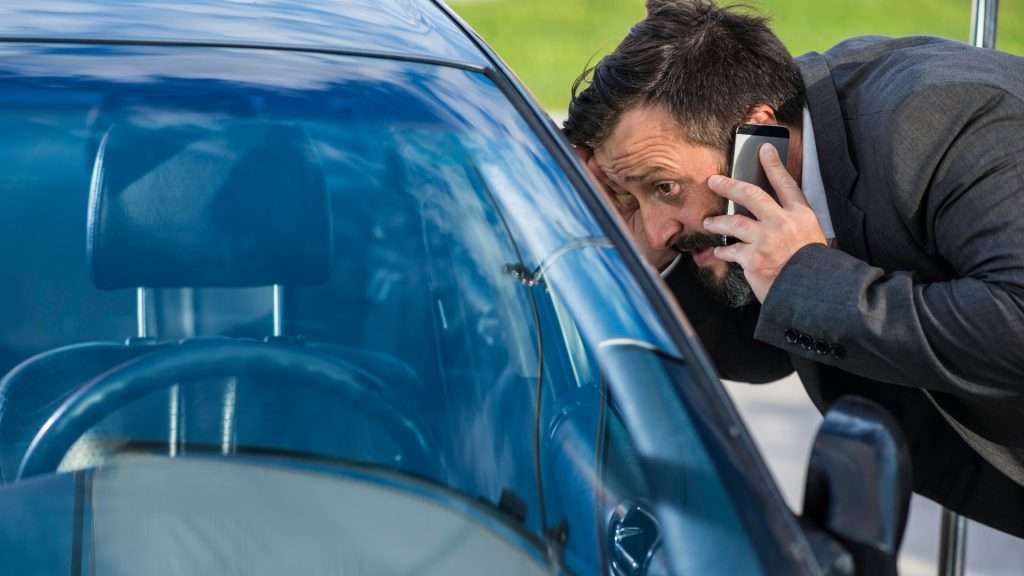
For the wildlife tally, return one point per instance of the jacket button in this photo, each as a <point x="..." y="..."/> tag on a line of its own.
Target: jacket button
<point x="792" y="337"/>
<point x="806" y="342"/>
<point x="838" y="352"/>
<point x="822" y="348"/>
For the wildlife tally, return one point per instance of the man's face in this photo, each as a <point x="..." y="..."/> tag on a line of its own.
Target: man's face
<point x="658" y="182"/>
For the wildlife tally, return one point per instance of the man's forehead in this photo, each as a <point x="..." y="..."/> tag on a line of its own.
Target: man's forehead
<point x="645" y="139"/>
<point x="643" y="126"/>
<point x="662" y="152"/>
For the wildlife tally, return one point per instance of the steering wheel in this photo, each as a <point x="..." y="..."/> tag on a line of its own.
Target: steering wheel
<point x="217" y="359"/>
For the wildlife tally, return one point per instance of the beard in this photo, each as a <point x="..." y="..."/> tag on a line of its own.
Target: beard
<point x="732" y="289"/>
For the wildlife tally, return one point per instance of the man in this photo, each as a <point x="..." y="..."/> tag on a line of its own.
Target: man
<point x="892" y="264"/>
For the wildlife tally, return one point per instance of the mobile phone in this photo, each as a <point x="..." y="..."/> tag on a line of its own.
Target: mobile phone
<point x="745" y="163"/>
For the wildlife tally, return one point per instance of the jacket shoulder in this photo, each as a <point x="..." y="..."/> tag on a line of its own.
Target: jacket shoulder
<point x="907" y="103"/>
<point x="874" y="74"/>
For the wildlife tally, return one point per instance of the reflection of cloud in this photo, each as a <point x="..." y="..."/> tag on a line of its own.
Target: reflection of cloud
<point x="401" y="25"/>
<point x="157" y="118"/>
<point x="540" y="205"/>
<point x="283" y="71"/>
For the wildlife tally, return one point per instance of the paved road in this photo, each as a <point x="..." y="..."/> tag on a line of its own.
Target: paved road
<point x="783" y="422"/>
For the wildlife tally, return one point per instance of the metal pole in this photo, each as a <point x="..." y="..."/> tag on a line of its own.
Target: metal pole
<point x="952" y="544"/>
<point x="141" y="317"/>
<point x="953" y="536"/>
<point x="188" y="312"/>
<point x="174" y="401"/>
<point x="278" y="310"/>
<point x="984" y="18"/>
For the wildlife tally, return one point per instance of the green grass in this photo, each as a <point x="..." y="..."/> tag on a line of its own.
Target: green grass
<point x="548" y="42"/>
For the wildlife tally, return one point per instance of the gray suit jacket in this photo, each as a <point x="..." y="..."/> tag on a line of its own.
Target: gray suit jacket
<point x="921" y="305"/>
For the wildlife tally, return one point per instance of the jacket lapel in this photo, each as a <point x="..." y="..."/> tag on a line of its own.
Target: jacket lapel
<point x="838" y="171"/>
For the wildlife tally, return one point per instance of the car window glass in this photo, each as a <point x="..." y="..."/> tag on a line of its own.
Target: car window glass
<point x="413" y="294"/>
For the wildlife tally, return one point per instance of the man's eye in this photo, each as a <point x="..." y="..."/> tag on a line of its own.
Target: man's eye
<point x="666" y="189"/>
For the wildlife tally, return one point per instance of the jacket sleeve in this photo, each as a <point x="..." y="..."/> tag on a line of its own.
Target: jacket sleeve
<point x="962" y="335"/>
<point x="728" y="333"/>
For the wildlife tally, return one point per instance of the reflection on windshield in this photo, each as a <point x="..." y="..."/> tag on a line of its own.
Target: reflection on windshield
<point x="395" y="26"/>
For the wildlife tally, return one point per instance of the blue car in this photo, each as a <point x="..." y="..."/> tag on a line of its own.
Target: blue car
<point x="316" y="288"/>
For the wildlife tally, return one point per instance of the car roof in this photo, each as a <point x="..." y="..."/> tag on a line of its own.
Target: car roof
<point x="416" y="29"/>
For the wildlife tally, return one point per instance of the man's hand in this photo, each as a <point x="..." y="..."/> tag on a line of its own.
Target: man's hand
<point x="769" y="241"/>
<point x="628" y="208"/>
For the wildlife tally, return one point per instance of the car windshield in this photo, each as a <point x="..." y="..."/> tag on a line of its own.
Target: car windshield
<point x="340" y="215"/>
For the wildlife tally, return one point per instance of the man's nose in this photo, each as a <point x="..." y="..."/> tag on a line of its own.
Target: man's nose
<point x="659" y="226"/>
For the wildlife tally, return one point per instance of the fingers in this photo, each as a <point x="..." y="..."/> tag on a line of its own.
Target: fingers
<point x="754" y="199"/>
<point x="783" y="183"/>
<point x="737" y="226"/>
<point x="733" y="253"/>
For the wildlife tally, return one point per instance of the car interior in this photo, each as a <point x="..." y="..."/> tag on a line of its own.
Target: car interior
<point x="204" y="234"/>
<point x="205" y="271"/>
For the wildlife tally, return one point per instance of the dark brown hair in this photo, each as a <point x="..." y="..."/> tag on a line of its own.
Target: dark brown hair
<point x="709" y="66"/>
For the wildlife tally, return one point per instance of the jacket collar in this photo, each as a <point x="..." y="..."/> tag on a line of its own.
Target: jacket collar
<point x="823" y="103"/>
<point x="838" y="171"/>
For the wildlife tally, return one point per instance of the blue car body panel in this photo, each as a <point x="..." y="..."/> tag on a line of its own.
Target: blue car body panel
<point x="413" y="28"/>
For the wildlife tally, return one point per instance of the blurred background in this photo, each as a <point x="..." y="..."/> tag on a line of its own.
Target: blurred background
<point x="548" y="43"/>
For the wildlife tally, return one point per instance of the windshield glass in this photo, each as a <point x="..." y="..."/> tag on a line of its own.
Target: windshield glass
<point x="304" y="259"/>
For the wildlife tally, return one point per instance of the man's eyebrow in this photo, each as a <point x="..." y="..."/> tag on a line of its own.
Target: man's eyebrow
<point x="655" y="173"/>
<point x="643" y="176"/>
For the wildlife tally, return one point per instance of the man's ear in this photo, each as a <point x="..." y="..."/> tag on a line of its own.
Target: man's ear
<point x="761" y="114"/>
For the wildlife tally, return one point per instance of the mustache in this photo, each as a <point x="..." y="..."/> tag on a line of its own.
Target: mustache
<point x="697" y="241"/>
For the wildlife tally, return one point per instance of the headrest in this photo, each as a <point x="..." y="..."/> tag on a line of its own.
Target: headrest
<point x="230" y="206"/>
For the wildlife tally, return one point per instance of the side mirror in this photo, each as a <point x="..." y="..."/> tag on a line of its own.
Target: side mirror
<point x="859" y="483"/>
